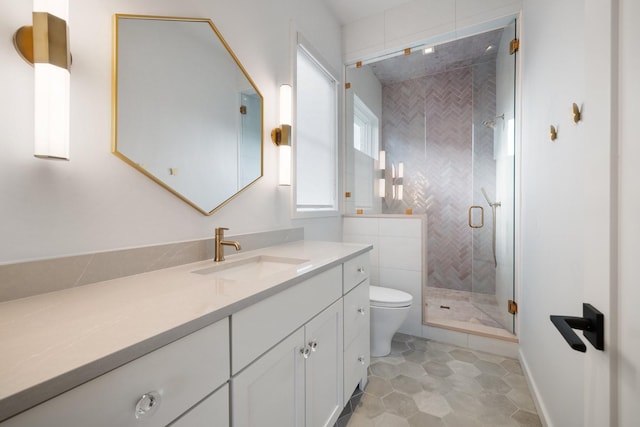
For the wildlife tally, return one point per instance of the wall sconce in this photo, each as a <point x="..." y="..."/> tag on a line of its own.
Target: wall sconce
<point x="397" y="182"/>
<point x="397" y="175"/>
<point x="281" y="136"/>
<point x="397" y="178"/>
<point x="382" y="160"/>
<point x="45" y="45"/>
<point x="382" y="188"/>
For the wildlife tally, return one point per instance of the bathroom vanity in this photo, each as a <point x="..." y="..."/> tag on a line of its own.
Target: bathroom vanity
<point x="276" y="336"/>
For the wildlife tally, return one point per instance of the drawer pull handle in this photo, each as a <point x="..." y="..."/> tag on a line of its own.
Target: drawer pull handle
<point x="147" y="404"/>
<point x="361" y="311"/>
<point x="306" y="352"/>
<point x="361" y="270"/>
<point x="313" y="345"/>
<point x="361" y="359"/>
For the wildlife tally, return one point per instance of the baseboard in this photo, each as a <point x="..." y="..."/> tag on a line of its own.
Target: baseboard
<point x="533" y="388"/>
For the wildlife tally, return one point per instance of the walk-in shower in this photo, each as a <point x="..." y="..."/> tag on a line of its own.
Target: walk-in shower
<point x="439" y="132"/>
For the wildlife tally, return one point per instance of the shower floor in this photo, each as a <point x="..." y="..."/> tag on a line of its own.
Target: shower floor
<point x="468" y="312"/>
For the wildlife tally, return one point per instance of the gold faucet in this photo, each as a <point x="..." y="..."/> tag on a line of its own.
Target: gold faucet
<point x="220" y="242"/>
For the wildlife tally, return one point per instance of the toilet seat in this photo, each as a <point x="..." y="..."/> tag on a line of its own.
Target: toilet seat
<point x="389" y="298"/>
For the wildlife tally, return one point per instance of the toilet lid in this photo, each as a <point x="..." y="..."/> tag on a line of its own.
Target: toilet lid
<point x="387" y="297"/>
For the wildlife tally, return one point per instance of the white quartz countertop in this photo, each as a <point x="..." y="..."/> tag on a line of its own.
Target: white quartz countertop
<point x="53" y="342"/>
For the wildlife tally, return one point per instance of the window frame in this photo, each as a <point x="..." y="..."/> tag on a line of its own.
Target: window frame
<point x="316" y="211"/>
<point x="371" y="125"/>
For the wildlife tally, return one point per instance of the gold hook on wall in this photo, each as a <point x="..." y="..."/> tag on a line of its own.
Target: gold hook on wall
<point x="553" y="133"/>
<point x="577" y="114"/>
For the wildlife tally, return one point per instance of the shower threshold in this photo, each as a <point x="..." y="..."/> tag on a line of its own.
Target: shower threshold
<point x="467" y="312"/>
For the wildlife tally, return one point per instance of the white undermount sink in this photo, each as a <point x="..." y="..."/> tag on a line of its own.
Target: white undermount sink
<point x="256" y="267"/>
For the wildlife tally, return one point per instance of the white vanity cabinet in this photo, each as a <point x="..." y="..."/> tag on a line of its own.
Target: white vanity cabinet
<point x="299" y="381"/>
<point x="291" y="358"/>
<point x="356" y="324"/>
<point x="212" y="411"/>
<point x="153" y="390"/>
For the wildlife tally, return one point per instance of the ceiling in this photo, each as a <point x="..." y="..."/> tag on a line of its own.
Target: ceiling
<point x="447" y="56"/>
<point x="351" y="10"/>
<point x="457" y="53"/>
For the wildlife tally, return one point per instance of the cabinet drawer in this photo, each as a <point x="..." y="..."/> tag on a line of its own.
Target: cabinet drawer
<point x="181" y="373"/>
<point x="258" y="327"/>
<point x="356" y="312"/>
<point x="356" y="362"/>
<point x="213" y="411"/>
<point x="355" y="271"/>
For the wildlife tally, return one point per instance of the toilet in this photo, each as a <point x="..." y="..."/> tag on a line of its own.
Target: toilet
<point x="389" y="309"/>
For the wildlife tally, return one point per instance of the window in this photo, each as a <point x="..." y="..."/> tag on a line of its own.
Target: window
<point x="365" y="144"/>
<point x="316" y="144"/>
<point x="365" y="129"/>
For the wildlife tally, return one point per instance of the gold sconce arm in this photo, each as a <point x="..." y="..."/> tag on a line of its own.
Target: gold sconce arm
<point x="46" y="41"/>
<point x="281" y="135"/>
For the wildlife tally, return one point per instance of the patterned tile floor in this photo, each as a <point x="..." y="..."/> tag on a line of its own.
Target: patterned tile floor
<point x="425" y="383"/>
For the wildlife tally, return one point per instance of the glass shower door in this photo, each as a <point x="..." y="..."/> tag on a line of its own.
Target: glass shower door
<point x="494" y="183"/>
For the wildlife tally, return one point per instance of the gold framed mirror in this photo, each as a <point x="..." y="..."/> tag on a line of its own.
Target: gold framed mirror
<point x="185" y="112"/>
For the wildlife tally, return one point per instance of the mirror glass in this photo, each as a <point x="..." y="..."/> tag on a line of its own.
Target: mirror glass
<point x="186" y="113"/>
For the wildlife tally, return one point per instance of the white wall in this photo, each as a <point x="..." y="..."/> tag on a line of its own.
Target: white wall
<point x="569" y="204"/>
<point x="96" y="202"/>
<point x="552" y="215"/>
<point x="420" y="21"/>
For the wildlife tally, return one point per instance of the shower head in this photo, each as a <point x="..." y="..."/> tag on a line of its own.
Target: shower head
<point x="492" y="122"/>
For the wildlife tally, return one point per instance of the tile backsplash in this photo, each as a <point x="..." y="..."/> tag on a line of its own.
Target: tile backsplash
<point x="30" y="278"/>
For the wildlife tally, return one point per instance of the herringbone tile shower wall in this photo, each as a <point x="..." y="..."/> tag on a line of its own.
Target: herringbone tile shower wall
<point x="427" y="123"/>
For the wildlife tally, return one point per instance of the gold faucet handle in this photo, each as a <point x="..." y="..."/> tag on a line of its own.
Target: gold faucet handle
<point x="220" y="231"/>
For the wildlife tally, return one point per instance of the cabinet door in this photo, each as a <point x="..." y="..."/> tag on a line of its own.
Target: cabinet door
<point x="270" y="392"/>
<point x="324" y="366"/>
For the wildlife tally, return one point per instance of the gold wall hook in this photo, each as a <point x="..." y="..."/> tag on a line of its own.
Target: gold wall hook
<point x="553" y="133"/>
<point x="577" y="115"/>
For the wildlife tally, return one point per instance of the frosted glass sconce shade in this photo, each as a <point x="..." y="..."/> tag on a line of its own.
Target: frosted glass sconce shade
<point x="382" y="160"/>
<point x="45" y="44"/>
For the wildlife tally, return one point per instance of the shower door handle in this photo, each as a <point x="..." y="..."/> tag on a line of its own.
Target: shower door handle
<point x="471" y="224"/>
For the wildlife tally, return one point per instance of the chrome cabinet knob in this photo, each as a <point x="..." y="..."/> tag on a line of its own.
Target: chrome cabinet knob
<point x="361" y="311"/>
<point x="313" y="345"/>
<point x="147" y="404"/>
<point x="361" y="270"/>
<point x="361" y="359"/>
<point x="306" y="351"/>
